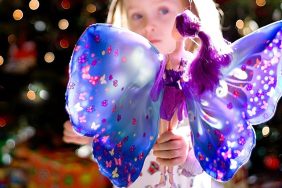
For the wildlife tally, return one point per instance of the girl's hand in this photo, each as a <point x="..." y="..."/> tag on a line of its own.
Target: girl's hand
<point x="71" y="137"/>
<point x="171" y="149"/>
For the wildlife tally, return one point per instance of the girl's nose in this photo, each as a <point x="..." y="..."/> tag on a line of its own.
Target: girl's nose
<point x="150" y="26"/>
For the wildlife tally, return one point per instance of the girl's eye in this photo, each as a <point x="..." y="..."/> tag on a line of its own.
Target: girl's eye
<point x="136" y="16"/>
<point x="164" y="11"/>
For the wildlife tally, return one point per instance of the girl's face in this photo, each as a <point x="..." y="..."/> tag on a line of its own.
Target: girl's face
<point x="154" y="19"/>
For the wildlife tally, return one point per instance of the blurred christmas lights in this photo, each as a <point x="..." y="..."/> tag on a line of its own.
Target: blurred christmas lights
<point x="10" y="143"/>
<point x="49" y="57"/>
<point x="246" y="26"/>
<point x="18" y="14"/>
<point x="40" y="25"/>
<point x="265" y="131"/>
<point x="84" y="151"/>
<point x="34" y="4"/>
<point x="36" y="92"/>
<point x="1" y="60"/>
<point x="260" y="3"/>
<point x="63" y="24"/>
<point x="3" y="122"/>
<point x="6" y="159"/>
<point x="65" y="4"/>
<point x="31" y="95"/>
<point x="12" y="38"/>
<point x="43" y="94"/>
<point x="240" y="24"/>
<point x="276" y="15"/>
<point x="64" y="43"/>
<point x="91" y="8"/>
<point x="272" y="162"/>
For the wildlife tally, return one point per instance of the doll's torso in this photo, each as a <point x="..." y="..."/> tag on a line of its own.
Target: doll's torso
<point x="172" y="76"/>
<point x="173" y="97"/>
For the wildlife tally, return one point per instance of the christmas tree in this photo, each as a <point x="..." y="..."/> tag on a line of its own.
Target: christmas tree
<point x="37" y="39"/>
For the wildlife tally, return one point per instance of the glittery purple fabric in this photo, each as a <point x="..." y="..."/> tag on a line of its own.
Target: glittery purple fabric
<point x="173" y="97"/>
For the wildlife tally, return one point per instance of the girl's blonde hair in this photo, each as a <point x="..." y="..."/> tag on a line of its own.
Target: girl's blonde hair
<point x="117" y="14"/>
<point x="206" y="10"/>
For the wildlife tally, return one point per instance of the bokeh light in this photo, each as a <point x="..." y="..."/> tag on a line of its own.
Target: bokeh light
<point x="49" y="57"/>
<point x="3" y="122"/>
<point x="1" y="60"/>
<point x="40" y="25"/>
<point x="64" y="43"/>
<point x="63" y="24"/>
<point x="276" y="15"/>
<point x="34" y="4"/>
<point x="260" y="3"/>
<point x="6" y="159"/>
<point x="271" y="162"/>
<point x="12" y="39"/>
<point x="31" y="95"/>
<point x="65" y="4"/>
<point x="43" y="94"/>
<point x="91" y="8"/>
<point x="18" y="14"/>
<point x="240" y="24"/>
<point x="265" y="131"/>
<point x="10" y="143"/>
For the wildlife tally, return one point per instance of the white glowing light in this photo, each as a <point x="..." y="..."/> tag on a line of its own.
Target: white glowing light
<point x="43" y="94"/>
<point x="40" y="25"/>
<point x="84" y="151"/>
<point x="265" y="131"/>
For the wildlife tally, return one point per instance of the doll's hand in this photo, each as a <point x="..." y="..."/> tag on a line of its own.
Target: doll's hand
<point x="171" y="149"/>
<point x="71" y="137"/>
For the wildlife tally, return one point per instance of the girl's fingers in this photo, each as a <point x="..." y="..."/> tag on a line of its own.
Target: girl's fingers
<point x="167" y="136"/>
<point x="72" y="137"/>
<point x="169" y="154"/>
<point x="169" y="145"/>
<point x="67" y="125"/>
<point x="77" y="140"/>
<point x="171" y="162"/>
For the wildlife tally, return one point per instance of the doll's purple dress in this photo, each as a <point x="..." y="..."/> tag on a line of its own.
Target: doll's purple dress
<point x="173" y="97"/>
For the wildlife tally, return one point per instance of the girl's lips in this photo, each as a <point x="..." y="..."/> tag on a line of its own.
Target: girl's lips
<point x="155" y="41"/>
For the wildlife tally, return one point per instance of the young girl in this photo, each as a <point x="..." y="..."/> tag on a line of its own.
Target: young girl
<point x="154" y="19"/>
<point x="173" y="105"/>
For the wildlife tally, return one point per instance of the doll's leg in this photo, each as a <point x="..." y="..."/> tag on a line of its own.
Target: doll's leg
<point x="174" y="121"/>
<point x="172" y="125"/>
<point x="171" y="180"/>
<point x="163" y="127"/>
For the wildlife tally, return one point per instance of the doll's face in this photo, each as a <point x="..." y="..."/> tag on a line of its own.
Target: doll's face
<point x="154" y="19"/>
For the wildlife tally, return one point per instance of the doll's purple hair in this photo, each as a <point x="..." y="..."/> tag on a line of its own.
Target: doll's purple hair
<point x="205" y="68"/>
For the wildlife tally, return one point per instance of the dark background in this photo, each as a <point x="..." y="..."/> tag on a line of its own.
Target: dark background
<point x="46" y="115"/>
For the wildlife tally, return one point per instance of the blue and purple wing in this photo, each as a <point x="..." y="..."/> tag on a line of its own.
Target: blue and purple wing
<point x="108" y="98"/>
<point x="248" y="92"/>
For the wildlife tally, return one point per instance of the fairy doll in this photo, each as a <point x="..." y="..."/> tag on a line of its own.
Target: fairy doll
<point x="175" y="73"/>
<point x="114" y="96"/>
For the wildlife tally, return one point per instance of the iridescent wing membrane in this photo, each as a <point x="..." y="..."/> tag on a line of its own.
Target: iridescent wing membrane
<point x="221" y="121"/>
<point x="111" y="74"/>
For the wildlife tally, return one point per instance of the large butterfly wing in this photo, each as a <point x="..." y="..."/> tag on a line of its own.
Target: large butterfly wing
<point x="256" y="70"/>
<point x="108" y="98"/>
<point x="221" y="121"/>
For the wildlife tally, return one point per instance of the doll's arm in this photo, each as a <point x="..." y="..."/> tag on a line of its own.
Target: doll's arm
<point x="159" y="82"/>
